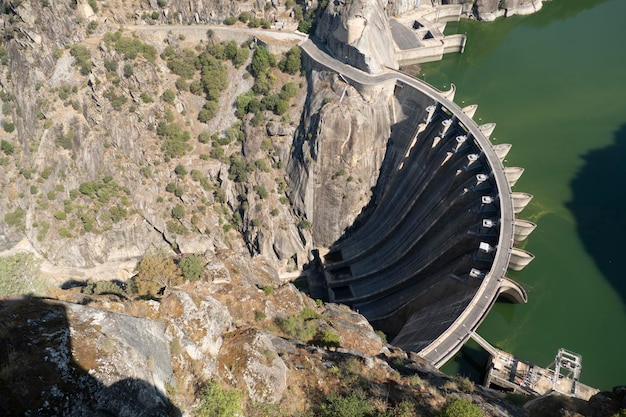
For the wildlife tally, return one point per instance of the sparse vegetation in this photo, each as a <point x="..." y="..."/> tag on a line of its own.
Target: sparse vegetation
<point x="461" y="408"/>
<point x="219" y="402"/>
<point x="82" y="58"/>
<point x="19" y="274"/>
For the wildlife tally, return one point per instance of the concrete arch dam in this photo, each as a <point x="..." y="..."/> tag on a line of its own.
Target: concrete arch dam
<point x="427" y="258"/>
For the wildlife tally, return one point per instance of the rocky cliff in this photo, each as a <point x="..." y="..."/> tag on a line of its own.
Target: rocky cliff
<point x="357" y="32"/>
<point x="95" y="127"/>
<point x="236" y="339"/>
<point x="337" y="153"/>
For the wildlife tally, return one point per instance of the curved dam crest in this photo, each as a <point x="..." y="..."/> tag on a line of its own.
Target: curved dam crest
<point x="427" y="257"/>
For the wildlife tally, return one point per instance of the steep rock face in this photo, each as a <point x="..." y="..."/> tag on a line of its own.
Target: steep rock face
<point x="67" y="359"/>
<point x="357" y="32"/>
<point x="337" y="155"/>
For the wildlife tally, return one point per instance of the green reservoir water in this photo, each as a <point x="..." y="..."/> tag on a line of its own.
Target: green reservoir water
<point x="555" y="84"/>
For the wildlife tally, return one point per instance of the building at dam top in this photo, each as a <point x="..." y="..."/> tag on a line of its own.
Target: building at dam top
<point x="427" y="257"/>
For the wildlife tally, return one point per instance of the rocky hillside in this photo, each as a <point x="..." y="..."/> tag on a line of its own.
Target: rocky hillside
<point x="232" y="341"/>
<point x="116" y="138"/>
<point x="159" y="177"/>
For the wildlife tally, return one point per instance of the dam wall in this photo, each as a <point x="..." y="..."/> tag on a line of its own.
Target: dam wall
<point x="426" y="259"/>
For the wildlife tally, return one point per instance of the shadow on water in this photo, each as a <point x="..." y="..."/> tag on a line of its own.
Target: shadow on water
<point x="39" y="375"/>
<point x="598" y="202"/>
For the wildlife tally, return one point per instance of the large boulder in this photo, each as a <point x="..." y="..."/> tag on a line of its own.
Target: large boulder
<point x="357" y="32"/>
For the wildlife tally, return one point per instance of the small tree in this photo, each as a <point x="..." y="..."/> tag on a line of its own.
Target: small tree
<point x="192" y="267"/>
<point x="155" y="272"/>
<point x="292" y="61"/>
<point x="178" y="212"/>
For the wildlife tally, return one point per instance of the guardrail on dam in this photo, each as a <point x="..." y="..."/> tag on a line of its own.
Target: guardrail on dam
<point x="428" y="256"/>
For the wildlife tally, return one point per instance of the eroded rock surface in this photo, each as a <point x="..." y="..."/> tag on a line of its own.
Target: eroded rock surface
<point x="357" y="32"/>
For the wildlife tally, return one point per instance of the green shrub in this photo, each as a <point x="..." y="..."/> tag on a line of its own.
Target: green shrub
<point x="117" y="213"/>
<point x="208" y="111"/>
<point x="305" y="26"/>
<point x="204" y="137"/>
<point x="261" y="191"/>
<point x="175" y="139"/>
<point x="102" y="287"/>
<point x="262" y="60"/>
<point x="155" y="271"/>
<point x="218" y="402"/>
<point x="292" y="61"/>
<point x="128" y="71"/>
<point x="82" y="58"/>
<point x="192" y="267"/>
<point x="117" y="100"/>
<point x="130" y="47"/>
<point x="175" y="227"/>
<point x="178" y="212"/>
<point x="350" y="405"/>
<point x="461" y="408"/>
<point x="168" y="96"/>
<point x="180" y="170"/>
<point x="241" y="57"/>
<point x="145" y="97"/>
<point x="329" y="338"/>
<point x="230" y="20"/>
<point x="65" y="233"/>
<point x="6" y="147"/>
<point x="8" y="127"/>
<point x="15" y="218"/>
<point x="464" y="384"/>
<point x="244" y="17"/>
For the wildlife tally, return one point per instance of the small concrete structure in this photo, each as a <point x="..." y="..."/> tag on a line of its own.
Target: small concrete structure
<point x="506" y="371"/>
<point x="418" y="34"/>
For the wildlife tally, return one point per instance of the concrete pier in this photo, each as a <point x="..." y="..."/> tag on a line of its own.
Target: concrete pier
<point x="520" y="258"/>
<point x="502" y="150"/>
<point x="520" y="201"/>
<point x="522" y="228"/>
<point x="513" y="174"/>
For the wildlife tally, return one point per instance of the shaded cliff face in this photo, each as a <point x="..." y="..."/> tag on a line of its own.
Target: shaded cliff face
<point x="337" y="154"/>
<point x="357" y="32"/>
